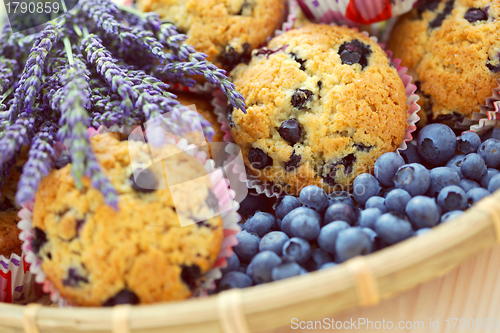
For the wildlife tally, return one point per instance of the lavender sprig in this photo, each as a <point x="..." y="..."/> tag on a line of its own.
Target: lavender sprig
<point x="101" y="11"/>
<point x="196" y="64"/>
<point x="39" y="164"/>
<point x="15" y="136"/>
<point x="104" y="63"/>
<point x="31" y="78"/>
<point x="74" y="123"/>
<point x="7" y="69"/>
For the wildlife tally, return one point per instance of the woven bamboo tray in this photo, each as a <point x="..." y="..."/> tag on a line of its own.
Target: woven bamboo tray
<point x="385" y="284"/>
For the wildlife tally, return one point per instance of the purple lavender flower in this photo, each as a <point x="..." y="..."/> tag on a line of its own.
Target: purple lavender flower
<point x="40" y="158"/>
<point x="31" y="78"/>
<point x="74" y="123"/>
<point x="101" y="11"/>
<point x="15" y="136"/>
<point x="105" y="65"/>
<point x="7" y="69"/>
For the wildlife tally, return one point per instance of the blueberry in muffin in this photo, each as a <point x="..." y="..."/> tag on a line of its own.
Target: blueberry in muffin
<point x="451" y="49"/>
<point x="95" y="255"/>
<point x="323" y="104"/>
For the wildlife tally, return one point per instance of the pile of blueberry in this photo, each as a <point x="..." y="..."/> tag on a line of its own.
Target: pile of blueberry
<point x="429" y="183"/>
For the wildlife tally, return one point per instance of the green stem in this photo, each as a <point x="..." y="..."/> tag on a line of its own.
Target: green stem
<point x="85" y="32"/>
<point x="67" y="48"/>
<point x="78" y="30"/>
<point x="7" y="93"/>
<point x="131" y="10"/>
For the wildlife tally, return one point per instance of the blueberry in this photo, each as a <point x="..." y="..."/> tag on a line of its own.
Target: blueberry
<point x="341" y="197"/>
<point x="386" y="167"/>
<point x="330" y="170"/>
<point x="233" y="263"/>
<point x="427" y="5"/>
<point x="473" y="167"/>
<point x="233" y="280"/>
<point x="376" y="202"/>
<point x="39" y="240"/>
<point x="352" y="242"/>
<point x="386" y="190"/>
<point x="74" y="279"/>
<point x="467" y="184"/>
<point x="293" y="162"/>
<point x="452" y="198"/>
<point x="477" y="194"/>
<point x="243" y="269"/>
<point x="422" y="231"/>
<point x="490" y="173"/>
<point x="314" y="197"/>
<point x="451" y="215"/>
<point x="62" y="161"/>
<point x="286" y="271"/>
<point x="490" y="152"/>
<point x="286" y="224"/>
<point x="290" y="131"/>
<point x="475" y="14"/>
<point x="441" y="16"/>
<point x="258" y="159"/>
<point x="440" y="178"/>
<point x="248" y="246"/>
<point x="297" y="249"/>
<point x="494" y="184"/>
<point x="124" y="296"/>
<point x="229" y="115"/>
<point x="396" y="201"/>
<point x="413" y="178"/>
<point x="364" y="187"/>
<point x="145" y="182"/>
<point x="318" y="258"/>
<point x="253" y="203"/>
<point x="423" y="212"/>
<point x="299" y="60"/>
<point x="391" y="228"/>
<point x="328" y="265"/>
<point x="262" y="265"/>
<point x="260" y="224"/>
<point x="340" y="212"/>
<point x="301" y="97"/>
<point x="468" y="143"/>
<point x="285" y="205"/>
<point x="328" y="235"/>
<point x="436" y="143"/>
<point x="191" y="275"/>
<point x="372" y="234"/>
<point x="355" y="52"/>
<point x="368" y="217"/>
<point x="454" y="163"/>
<point x="410" y="154"/>
<point x="305" y="226"/>
<point x="273" y="241"/>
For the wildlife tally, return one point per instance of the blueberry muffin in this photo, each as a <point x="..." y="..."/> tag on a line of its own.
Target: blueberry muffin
<point x="95" y="255"/>
<point x="226" y="30"/>
<point x="451" y="49"/>
<point x="9" y="232"/>
<point x="323" y="103"/>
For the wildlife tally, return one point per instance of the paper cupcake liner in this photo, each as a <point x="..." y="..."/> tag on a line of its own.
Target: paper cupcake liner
<point x="219" y="102"/>
<point x="17" y="283"/>
<point x="230" y="224"/>
<point x="354" y="11"/>
<point x="488" y="114"/>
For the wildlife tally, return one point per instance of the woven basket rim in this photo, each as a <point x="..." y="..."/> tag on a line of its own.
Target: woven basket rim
<point x="359" y="282"/>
